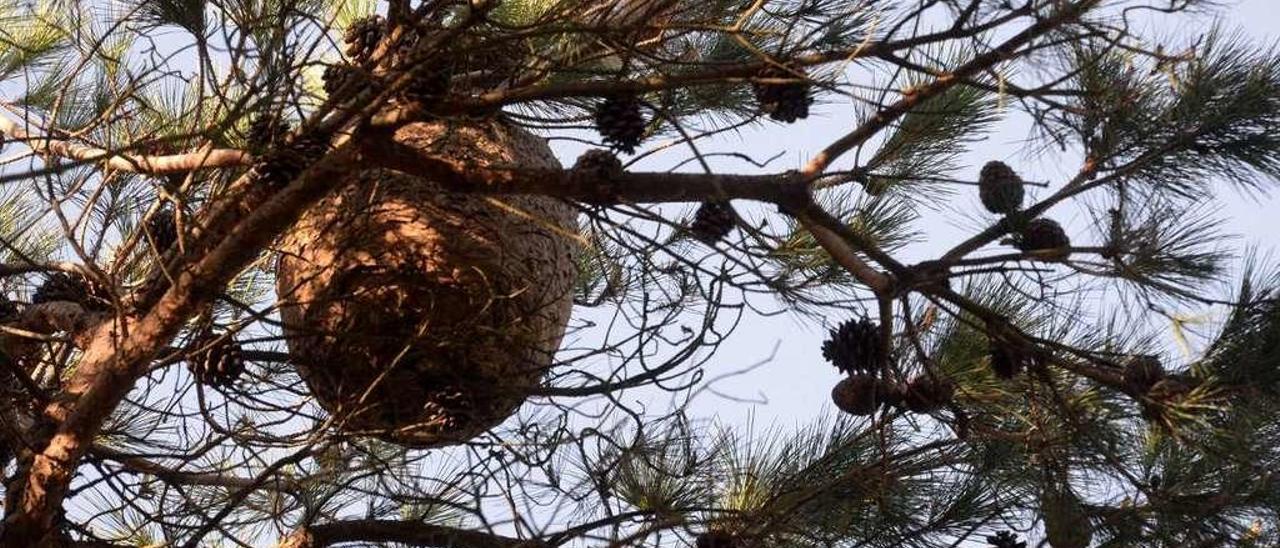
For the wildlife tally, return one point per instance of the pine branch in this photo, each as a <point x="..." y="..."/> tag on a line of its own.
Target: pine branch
<point x="130" y="163"/>
<point x="779" y="189"/>
<point x="237" y="229"/>
<point x="1063" y="15"/>
<point x="1074" y="401"/>
<point x="711" y="74"/>
<point x="181" y="477"/>
<point x="111" y="364"/>
<point x="404" y="532"/>
<point x="844" y="246"/>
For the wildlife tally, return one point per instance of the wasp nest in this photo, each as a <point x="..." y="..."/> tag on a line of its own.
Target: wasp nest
<point x="425" y="317"/>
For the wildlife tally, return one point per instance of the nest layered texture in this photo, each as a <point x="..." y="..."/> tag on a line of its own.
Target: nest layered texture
<point x="424" y="317"/>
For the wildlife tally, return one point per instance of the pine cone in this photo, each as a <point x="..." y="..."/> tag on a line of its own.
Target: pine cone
<point x="620" y="122"/>
<point x="1043" y="235"/>
<point x="1141" y="374"/>
<point x="217" y="361"/>
<point x="1066" y="525"/>
<point x="310" y="147"/>
<point x="856" y="395"/>
<point x="713" y="222"/>
<point x="354" y="80"/>
<point x="925" y="394"/>
<point x="75" y="288"/>
<point x="1006" y="360"/>
<point x="1005" y="539"/>
<point x="717" y="539"/>
<point x="337" y="77"/>
<point x="1000" y="188"/>
<point x="362" y="38"/>
<point x="266" y="131"/>
<point x="427" y="86"/>
<point x="855" y="346"/>
<point x="162" y="228"/>
<point x="597" y="165"/>
<point x="8" y="309"/>
<point x="785" y="102"/>
<point x="889" y="393"/>
<point x="278" y="166"/>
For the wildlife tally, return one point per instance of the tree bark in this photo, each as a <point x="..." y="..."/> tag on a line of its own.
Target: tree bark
<point x="121" y="350"/>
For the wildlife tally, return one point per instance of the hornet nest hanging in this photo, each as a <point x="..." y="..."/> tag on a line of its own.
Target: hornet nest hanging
<point x="424" y="317"/>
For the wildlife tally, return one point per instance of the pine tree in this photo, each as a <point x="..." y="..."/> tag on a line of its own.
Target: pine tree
<point x="450" y="315"/>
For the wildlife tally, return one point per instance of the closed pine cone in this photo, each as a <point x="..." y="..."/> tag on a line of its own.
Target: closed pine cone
<point x="1000" y="188"/>
<point x="856" y="395"/>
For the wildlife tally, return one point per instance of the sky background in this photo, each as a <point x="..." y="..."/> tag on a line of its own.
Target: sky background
<point x="792" y="388"/>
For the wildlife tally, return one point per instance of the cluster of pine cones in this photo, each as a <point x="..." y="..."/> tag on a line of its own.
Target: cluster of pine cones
<point x="856" y="348"/>
<point x="361" y="41"/>
<point x="1002" y="191"/>
<point x="785" y="95"/>
<point x="277" y="159"/>
<point x="622" y="125"/>
<point x="432" y="76"/>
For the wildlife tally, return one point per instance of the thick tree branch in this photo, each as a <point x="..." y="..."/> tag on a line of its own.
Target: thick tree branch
<point x="786" y="189"/>
<point x="23" y="337"/>
<point x="404" y="532"/>
<point x="120" y="351"/>
<point x="844" y="246"/>
<point x="133" y="163"/>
